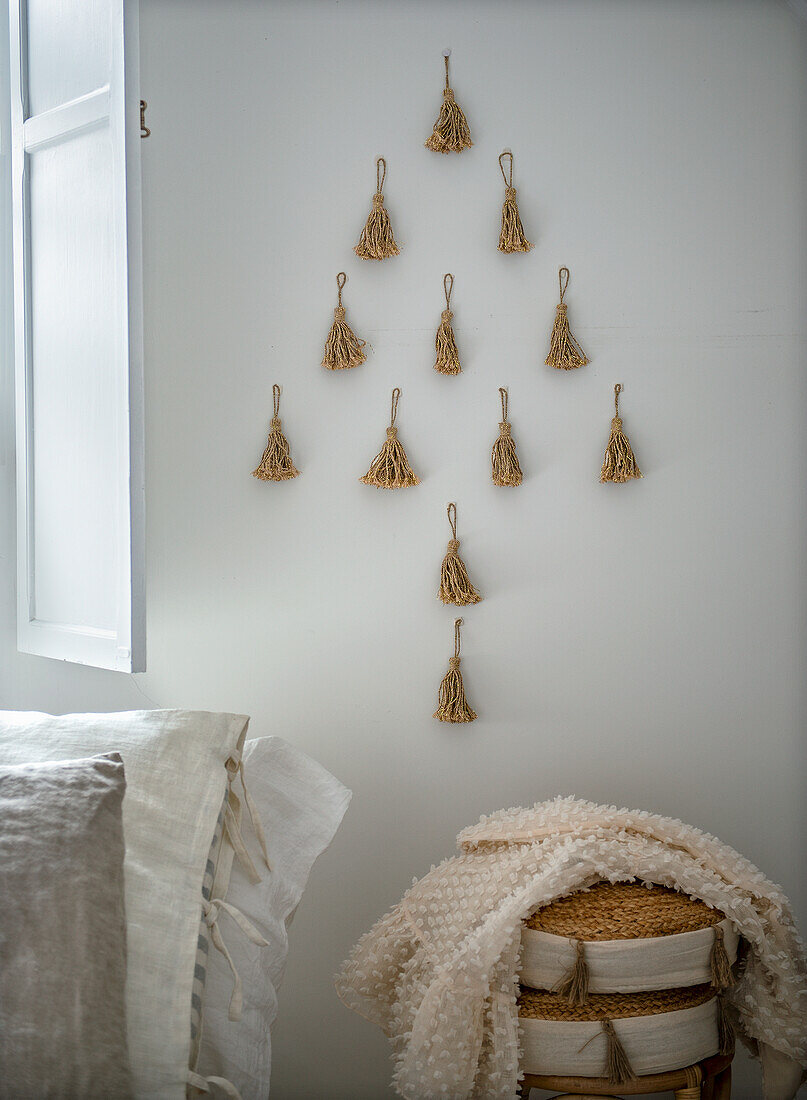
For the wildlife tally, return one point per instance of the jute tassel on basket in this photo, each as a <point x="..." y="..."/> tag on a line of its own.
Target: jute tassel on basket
<point x="451" y="133"/>
<point x="504" y="460"/>
<point x="390" y="468"/>
<point x="619" y="464"/>
<point x="276" y="464"/>
<point x="725" y="1028"/>
<point x="452" y="705"/>
<point x="720" y="963"/>
<point x="343" y="349"/>
<point x="448" y="358"/>
<point x="574" y="987"/>
<point x="455" y="585"/>
<point x="564" y="351"/>
<point x="511" y="238"/>
<point x="618" y="1069"/>
<point x="377" y="241"/>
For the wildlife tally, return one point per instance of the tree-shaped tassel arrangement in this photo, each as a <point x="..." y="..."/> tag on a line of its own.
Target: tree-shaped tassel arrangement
<point x="451" y="133"/>
<point x="452" y="705"/>
<point x="276" y="464"/>
<point x="455" y="584"/>
<point x="564" y="351"/>
<point x="504" y="460"/>
<point x="619" y="463"/>
<point x="511" y="238"/>
<point x="377" y="241"/>
<point x="343" y="348"/>
<point x="390" y="468"/>
<point x="448" y="358"/>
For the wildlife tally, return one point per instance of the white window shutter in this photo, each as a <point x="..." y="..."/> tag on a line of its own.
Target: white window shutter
<point x="78" y="331"/>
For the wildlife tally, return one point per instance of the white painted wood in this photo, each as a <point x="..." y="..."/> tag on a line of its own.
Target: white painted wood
<point x="78" y="331"/>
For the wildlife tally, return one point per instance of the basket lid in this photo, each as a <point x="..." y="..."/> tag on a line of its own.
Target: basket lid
<point x="623" y="911"/>
<point x="539" y="1004"/>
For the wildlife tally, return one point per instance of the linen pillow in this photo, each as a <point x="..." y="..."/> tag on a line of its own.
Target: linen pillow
<point x="301" y="806"/>
<point x="176" y="784"/>
<point x="63" y="931"/>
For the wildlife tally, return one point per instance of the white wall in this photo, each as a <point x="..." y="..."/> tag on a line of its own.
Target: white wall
<point x="640" y="644"/>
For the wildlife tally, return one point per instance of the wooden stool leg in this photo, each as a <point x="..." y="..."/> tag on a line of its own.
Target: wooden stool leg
<point x="693" y="1093"/>
<point x="722" y="1086"/>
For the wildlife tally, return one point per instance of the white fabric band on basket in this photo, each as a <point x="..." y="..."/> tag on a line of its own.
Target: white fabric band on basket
<point x="654" y="1044"/>
<point x="625" y="966"/>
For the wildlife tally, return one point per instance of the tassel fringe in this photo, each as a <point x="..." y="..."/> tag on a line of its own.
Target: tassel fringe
<point x="390" y="468"/>
<point x="574" y="987"/>
<point x="618" y="1069"/>
<point x="725" y="1028"/>
<point x="377" y="241"/>
<point x="564" y="351"/>
<point x="719" y="962"/>
<point x="619" y="463"/>
<point x="512" y="237"/>
<point x="504" y="460"/>
<point x="455" y="585"/>
<point x="451" y="133"/>
<point x="343" y="349"/>
<point x="276" y="463"/>
<point x="452" y="705"/>
<point x="448" y="357"/>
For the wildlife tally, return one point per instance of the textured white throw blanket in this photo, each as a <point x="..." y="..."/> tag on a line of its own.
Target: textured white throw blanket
<point x="439" y="972"/>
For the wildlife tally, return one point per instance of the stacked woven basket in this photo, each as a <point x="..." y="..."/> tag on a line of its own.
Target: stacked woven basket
<point x="624" y="980"/>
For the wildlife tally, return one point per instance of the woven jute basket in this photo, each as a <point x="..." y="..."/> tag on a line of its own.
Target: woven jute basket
<point x="624" y="979"/>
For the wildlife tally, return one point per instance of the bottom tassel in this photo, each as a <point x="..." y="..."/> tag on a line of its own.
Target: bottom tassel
<point x="725" y="1028"/>
<point x="452" y="705"/>
<point x="574" y="987"/>
<point x="618" y="1069"/>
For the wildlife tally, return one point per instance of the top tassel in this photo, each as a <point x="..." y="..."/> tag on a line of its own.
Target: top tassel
<point x="619" y="464"/>
<point x="343" y="349"/>
<point x="511" y="238"/>
<point x="448" y="357"/>
<point x="720" y="963"/>
<point x="276" y="463"/>
<point x="451" y="133"/>
<point x="390" y="468"/>
<point x="564" y="351"/>
<point x="504" y="460"/>
<point x="377" y="241"/>
<point x="574" y="986"/>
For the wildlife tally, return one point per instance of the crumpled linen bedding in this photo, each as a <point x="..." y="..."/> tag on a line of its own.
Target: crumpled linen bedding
<point x="439" y="972"/>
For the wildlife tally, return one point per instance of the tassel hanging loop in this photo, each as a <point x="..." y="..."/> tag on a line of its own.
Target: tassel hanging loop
<point x="512" y="237"/>
<point x="451" y="133"/>
<point x="564" y="351"/>
<point x="452" y="705"/>
<point x="504" y="459"/>
<point x="343" y="349"/>
<point x="276" y="464"/>
<point x="448" y="356"/>
<point x="390" y="468"/>
<point x="619" y="464"/>
<point x="377" y="240"/>
<point x="455" y="584"/>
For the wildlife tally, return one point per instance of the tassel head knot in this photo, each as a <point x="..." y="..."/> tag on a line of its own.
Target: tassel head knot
<point x="339" y="313"/>
<point x="510" y="193"/>
<point x="504" y="428"/>
<point x="378" y="200"/>
<point x="453" y="663"/>
<point x="275" y="424"/>
<point x="453" y="546"/>
<point x="561" y="308"/>
<point x="392" y="432"/>
<point x="447" y="316"/>
<point x="616" y="424"/>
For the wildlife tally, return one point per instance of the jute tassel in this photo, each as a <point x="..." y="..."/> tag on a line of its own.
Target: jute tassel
<point x="574" y="987"/>
<point x="725" y="1028"/>
<point x="504" y="460"/>
<point x="619" y="463"/>
<point x="618" y="1069"/>
<point x="452" y="705"/>
<point x="448" y="358"/>
<point x="511" y="238"/>
<point x="376" y="241"/>
<point x="276" y="464"/>
<point x="719" y="962"/>
<point x="455" y="585"/>
<point x="343" y="348"/>
<point x="564" y="351"/>
<point x="390" y="468"/>
<point x="451" y="133"/>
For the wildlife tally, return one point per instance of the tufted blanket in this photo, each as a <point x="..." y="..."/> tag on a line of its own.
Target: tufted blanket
<point x="439" y="973"/>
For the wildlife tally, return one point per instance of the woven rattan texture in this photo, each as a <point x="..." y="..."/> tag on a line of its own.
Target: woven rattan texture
<point x="537" y="1004"/>
<point x="623" y="911"/>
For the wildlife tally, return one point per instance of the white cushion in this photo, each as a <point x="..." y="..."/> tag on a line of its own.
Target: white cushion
<point x="176" y="783"/>
<point x="301" y="806"/>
